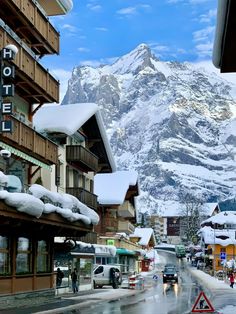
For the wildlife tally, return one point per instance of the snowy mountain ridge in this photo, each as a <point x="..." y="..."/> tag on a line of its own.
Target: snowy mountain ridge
<point x="172" y="122"/>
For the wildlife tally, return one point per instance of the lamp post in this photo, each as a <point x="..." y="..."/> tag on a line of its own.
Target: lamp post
<point x="7" y="73"/>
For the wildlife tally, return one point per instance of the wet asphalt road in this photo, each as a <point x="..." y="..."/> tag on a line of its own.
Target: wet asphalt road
<point x="159" y="298"/>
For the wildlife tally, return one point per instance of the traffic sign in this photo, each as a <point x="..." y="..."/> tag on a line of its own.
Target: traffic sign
<point x="223" y="255"/>
<point x="202" y="304"/>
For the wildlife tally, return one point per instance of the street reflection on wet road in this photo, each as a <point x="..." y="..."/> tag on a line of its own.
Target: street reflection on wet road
<point x="159" y="298"/>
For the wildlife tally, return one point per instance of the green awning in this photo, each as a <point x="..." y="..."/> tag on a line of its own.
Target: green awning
<point x="25" y="156"/>
<point x="122" y="251"/>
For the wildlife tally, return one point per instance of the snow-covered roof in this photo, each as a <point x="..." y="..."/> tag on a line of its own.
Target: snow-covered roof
<point x="64" y="119"/>
<point x="222" y="218"/>
<point x="69" y="119"/>
<point x="66" y="205"/>
<point x="215" y="236"/>
<point x="100" y="249"/>
<point x="111" y="188"/>
<point x="145" y="235"/>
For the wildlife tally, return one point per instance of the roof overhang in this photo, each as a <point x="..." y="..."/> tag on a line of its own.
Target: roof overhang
<point x="224" y="50"/>
<point x="56" y="7"/>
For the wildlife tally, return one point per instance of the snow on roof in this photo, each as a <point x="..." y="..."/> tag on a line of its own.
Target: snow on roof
<point x="222" y="218"/>
<point x="223" y="237"/>
<point x="100" y="249"/>
<point x="64" y="119"/>
<point x="144" y="234"/>
<point x="66" y="205"/>
<point x="68" y="119"/>
<point x="111" y="188"/>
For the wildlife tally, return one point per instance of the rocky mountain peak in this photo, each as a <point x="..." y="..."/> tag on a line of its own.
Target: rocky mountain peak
<point x="135" y="61"/>
<point x="171" y="122"/>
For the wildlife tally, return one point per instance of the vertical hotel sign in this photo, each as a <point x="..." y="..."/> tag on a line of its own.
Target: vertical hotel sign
<point x="7" y="74"/>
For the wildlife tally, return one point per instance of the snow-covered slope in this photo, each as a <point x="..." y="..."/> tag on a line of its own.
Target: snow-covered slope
<point x="172" y="122"/>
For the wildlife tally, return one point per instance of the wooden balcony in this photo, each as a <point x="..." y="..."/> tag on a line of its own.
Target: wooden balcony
<point x="81" y="158"/>
<point x="110" y="224"/>
<point x="126" y="210"/>
<point x="125" y="226"/>
<point x="84" y="196"/>
<point x="56" y="7"/>
<point x="27" y="140"/>
<point x="32" y="82"/>
<point x="29" y="22"/>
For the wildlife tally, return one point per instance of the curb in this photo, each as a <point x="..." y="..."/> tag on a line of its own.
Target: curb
<point x="72" y="308"/>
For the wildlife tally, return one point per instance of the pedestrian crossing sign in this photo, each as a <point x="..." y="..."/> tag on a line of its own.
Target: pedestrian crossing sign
<point x="202" y="304"/>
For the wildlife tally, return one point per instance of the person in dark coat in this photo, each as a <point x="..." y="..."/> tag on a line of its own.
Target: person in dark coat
<point x="59" y="278"/>
<point x="74" y="279"/>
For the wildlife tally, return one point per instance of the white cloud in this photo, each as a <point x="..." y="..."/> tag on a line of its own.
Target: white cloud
<point x="83" y="49"/>
<point x="204" y="34"/>
<point x="94" y="7"/>
<point x="207" y="18"/>
<point x="70" y="28"/>
<point x="205" y="50"/>
<point x="97" y="63"/>
<point x="101" y="29"/>
<point x="63" y="76"/>
<point x="127" y="11"/>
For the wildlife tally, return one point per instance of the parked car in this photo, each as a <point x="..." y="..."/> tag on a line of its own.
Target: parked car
<point x="170" y="274"/>
<point x="104" y="275"/>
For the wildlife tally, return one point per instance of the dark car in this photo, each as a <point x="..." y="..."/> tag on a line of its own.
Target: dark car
<point x="170" y="274"/>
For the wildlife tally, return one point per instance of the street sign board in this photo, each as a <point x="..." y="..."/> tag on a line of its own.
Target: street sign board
<point x="202" y="304"/>
<point x="223" y="255"/>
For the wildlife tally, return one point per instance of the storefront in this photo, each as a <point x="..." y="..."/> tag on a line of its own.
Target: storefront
<point x="80" y="257"/>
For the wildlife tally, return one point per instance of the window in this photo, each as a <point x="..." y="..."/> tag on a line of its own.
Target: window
<point x="99" y="270"/>
<point x="42" y="256"/>
<point x="23" y="257"/>
<point x="4" y="256"/>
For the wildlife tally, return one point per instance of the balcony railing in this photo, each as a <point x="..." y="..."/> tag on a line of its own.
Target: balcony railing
<point x="26" y="139"/>
<point x="126" y="210"/>
<point x="82" y="157"/>
<point x="32" y="82"/>
<point x="125" y="226"/>
<point x="32" y="25"/>
<point x="84" y="196"/>
<point x="56" y="7"/>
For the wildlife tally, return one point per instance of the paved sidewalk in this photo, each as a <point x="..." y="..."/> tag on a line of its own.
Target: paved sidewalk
<point x="70" y="302"/>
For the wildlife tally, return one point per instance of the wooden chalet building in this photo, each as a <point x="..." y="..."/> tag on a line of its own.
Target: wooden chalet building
<point x="84" y="150"/>
<point x="26" y="241"/>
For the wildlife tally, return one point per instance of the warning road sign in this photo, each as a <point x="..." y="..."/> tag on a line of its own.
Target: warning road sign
<point x="202" y="304"/>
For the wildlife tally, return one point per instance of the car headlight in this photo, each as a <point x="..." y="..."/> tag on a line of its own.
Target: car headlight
<point x="164" y="275"/>
<point x="175" y="275"/>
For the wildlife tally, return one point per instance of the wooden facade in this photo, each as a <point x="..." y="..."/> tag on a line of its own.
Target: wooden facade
<point x="82" y="158"/>
<point x="31" y="24"/>
<point x="83" y="196"/>
<point x="33" y="82"/>
<point x="28" y="140"/>
<point x="27" y="253"/>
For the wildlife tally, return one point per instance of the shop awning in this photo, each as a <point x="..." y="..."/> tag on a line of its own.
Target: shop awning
<point x="122" y="251"/>
<point x="24" y="156"/>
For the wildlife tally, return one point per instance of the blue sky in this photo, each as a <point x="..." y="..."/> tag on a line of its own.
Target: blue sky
<point x="99" y="31"/>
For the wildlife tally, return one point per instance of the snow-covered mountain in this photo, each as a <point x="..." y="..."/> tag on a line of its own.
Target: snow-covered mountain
<point x="172" y="122"/>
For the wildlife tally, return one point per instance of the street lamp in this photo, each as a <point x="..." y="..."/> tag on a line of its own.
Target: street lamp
<point x="7" y="73"/>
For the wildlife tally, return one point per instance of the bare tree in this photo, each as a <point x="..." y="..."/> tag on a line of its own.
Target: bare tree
<point x="192" y="214"/>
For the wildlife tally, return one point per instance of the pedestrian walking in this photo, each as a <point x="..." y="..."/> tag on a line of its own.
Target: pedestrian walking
<point x="74" y="279"/>
<point x="231" y="279"/>
<point x="60" y="276"/>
